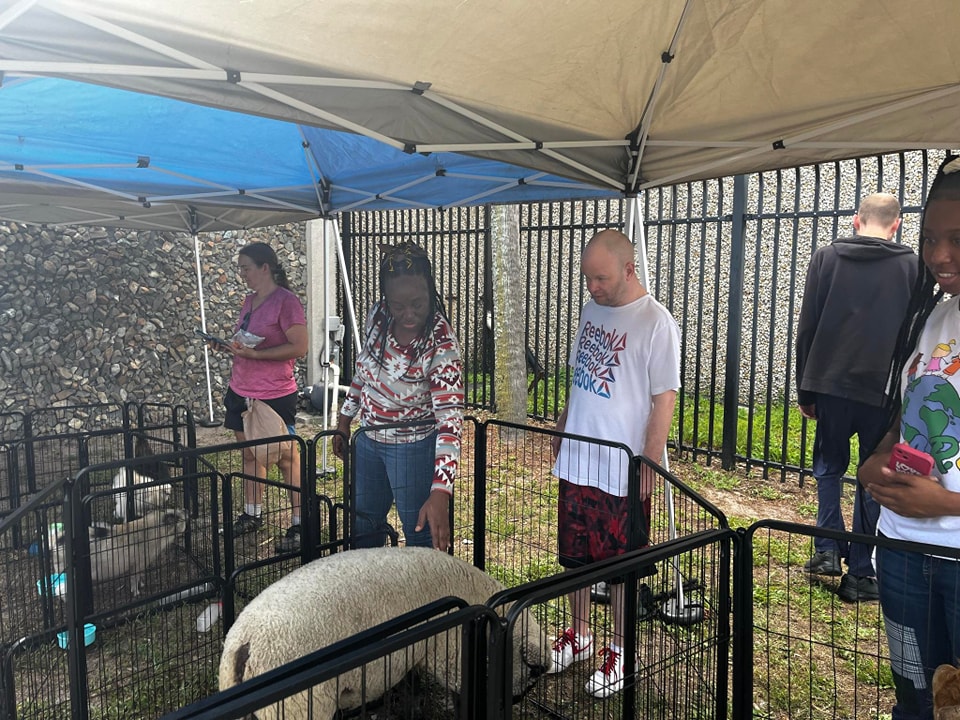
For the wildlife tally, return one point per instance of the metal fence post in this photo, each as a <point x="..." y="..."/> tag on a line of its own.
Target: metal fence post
<point x="742" y="681"/>
<point x="731" y="385"/>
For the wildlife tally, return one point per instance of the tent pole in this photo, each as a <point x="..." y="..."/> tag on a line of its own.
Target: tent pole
<point x="326" y="368"/>
<point x="211" y="421"/>
<point x="348" y="295"/>
<point x="676" y="609"/>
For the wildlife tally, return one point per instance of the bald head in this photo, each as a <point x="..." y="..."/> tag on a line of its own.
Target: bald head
<point x="613" y="242"/>
<point x="878" y="216"/>
<point x="607" y="264"/>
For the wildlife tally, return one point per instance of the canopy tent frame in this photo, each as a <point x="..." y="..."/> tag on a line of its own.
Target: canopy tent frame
<point x="678" y="90"/>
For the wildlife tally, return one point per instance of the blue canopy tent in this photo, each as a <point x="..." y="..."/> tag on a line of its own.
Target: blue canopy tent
<point x="72" y="153"/>
<point x="76" y="153"/>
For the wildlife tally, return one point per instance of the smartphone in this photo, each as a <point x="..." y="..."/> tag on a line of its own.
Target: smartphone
<point x="906" y="459"/>
<point x="211" y="338"/>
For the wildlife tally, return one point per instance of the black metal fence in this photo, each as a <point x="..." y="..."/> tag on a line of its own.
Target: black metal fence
<point x="728" y="626"/>
<point x="727" y="257"/>
<point x="104" y="616"/>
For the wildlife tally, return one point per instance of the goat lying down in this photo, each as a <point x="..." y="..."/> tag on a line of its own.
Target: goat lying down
<point x="338" y="596"/>
<point x="126" y="550"/>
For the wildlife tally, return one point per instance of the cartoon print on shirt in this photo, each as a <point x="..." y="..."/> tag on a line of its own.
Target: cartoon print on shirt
<point x="939" y="352"/>
<point x="930" y="416"/>
<point x="954" y="365"/>
<point x="914" y="366"/>
<point x="598" y="358"/>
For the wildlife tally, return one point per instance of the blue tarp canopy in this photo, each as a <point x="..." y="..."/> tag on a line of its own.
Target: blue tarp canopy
<point x="284" y="109"/>
<point x="72" y="152"/>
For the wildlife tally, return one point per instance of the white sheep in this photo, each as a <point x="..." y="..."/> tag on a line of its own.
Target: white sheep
<point x="335" y="597"/>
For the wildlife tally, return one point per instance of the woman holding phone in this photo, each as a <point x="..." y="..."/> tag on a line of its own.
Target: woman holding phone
<point x="920" y="593"/>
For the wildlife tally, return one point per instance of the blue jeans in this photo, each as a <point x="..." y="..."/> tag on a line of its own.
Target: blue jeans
<point x="838" y="420"/>
<point x="920" y="598"/>
<point x="392" y="471"/>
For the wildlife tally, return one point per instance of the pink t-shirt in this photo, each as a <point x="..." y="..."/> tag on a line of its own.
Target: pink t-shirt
<point x="268" y="379"/>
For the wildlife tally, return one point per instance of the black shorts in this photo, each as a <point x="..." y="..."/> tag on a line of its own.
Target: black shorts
<point x="285" y="407"/>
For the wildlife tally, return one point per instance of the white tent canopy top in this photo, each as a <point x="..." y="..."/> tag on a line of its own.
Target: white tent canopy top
<point x="593" y="97"/>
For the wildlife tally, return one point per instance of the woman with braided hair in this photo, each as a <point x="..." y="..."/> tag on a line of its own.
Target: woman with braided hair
<point x="408" y="371"/>
<point x="920" y="591"/>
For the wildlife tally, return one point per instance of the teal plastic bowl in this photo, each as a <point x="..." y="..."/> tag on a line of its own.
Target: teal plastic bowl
<point x="57" y="585"/>
<point x="89" y="636"/>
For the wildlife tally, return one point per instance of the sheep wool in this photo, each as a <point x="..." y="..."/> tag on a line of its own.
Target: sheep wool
<point x="338" y="596"/>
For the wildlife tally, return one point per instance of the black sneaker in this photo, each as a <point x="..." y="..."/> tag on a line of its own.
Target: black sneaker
<point x="858" y="589"/>
<point x="246" y="524"/>
<point x="824" y="563"/>
<point x="290" y="542"/>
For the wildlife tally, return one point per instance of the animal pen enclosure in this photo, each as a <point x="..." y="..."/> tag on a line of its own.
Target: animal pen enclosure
<point x="720" y="628"/>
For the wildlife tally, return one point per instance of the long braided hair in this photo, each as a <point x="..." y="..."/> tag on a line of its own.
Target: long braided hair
<point x="263" y="254"/>
<point x="925" y="295"/>
<point x="406" y="259"/>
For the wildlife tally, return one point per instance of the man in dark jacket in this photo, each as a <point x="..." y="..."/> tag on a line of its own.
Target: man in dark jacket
<point x="855" y="298"/>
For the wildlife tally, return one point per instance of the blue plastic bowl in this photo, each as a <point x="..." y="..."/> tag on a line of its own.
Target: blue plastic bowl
<point x="89" y="636"/>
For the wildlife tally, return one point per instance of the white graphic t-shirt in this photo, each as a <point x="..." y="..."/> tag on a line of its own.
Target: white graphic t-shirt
<point x="930" y="421"/>
<point x="621" y="357"/>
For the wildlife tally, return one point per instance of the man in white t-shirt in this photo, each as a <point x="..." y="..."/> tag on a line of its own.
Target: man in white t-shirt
<point x="626" y="373"/>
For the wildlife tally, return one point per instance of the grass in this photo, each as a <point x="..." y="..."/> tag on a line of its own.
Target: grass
<point x="774" y="433"/>
<point x="545" y="394"/>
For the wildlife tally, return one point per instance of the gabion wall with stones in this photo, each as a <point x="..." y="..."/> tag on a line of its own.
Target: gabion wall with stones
<point x="89" y="315"/>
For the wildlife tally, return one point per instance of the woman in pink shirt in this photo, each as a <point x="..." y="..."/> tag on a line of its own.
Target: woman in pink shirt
<point x="265" y="372"/>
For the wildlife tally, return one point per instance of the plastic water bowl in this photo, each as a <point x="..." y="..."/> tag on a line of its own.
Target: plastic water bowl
<point x="57" y="585"/>
<point x="89" y="636"/>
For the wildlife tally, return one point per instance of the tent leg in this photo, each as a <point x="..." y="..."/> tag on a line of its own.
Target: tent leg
<point x="348" y="294"/>
<point x="330" y="371"/>
<point x="211" y="421"/>
<point x="678" y="609"/>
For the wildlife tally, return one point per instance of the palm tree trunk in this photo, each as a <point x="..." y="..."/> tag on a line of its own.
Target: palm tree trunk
<point x="509" y="315"/>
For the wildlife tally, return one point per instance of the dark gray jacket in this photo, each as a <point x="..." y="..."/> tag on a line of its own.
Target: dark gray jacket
<point x="854" y="300"/>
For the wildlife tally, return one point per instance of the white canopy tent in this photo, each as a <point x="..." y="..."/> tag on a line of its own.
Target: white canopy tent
<point x="615" y="93"/>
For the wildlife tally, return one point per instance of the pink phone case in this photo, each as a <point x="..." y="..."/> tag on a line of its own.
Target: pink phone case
<point x="906" y="459"/>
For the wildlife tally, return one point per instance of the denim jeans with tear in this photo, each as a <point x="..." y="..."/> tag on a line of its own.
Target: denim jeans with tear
<point x="920" y="598"/>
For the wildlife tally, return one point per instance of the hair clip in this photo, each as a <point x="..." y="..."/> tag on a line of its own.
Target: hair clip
<point x="400" y="255"/>
<point x="951" y="167"/>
